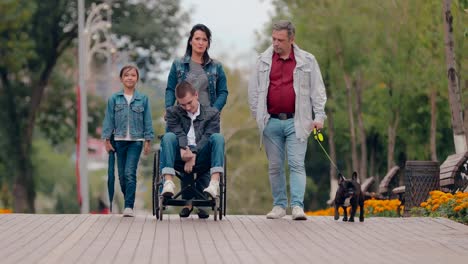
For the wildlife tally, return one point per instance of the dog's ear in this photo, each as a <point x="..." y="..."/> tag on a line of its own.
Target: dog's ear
<point x="340" y="178"/>
<point x="354" y="177"/>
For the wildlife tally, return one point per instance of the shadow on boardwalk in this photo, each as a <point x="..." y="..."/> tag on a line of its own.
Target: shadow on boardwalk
<point x="236" y="239"/>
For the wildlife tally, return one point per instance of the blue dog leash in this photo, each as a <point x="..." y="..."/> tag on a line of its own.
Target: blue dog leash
<point x="318" y="136"/>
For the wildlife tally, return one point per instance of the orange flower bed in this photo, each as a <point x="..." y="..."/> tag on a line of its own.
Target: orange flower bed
<point x="6" y="211"/>
<point x="372" y="207"/>
<point x="453" y="206"/>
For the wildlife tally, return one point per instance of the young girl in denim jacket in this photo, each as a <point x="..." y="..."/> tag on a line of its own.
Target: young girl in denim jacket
<point x="128" y="119"/>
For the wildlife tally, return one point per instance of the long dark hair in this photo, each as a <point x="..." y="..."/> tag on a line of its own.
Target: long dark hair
<point x="207" y="31"/>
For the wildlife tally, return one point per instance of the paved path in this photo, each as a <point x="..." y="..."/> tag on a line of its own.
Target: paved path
<point x="236" y="239"/>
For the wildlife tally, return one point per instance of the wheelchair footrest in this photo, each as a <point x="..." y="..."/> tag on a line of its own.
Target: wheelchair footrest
<point x="181" y="202"/>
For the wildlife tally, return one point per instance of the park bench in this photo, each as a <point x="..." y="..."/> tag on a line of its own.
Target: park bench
<point x="454" y="173"/>
<point x="388" y="183"/>
<point x="400" y="193"/>
<point x="366" y="185"/>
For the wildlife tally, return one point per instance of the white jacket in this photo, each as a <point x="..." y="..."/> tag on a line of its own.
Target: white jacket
<point x="308" y="86"/>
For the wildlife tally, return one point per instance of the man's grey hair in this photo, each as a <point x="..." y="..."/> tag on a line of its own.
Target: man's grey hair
<point x="285" y="25"/>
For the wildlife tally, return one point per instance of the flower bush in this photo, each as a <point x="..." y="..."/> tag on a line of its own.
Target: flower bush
<point x="441" y="204"/>
<point x="372" y="207"/>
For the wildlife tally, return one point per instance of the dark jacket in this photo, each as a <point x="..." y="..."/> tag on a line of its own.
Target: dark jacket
<point x="217" y="85"/>
<point x="206" y="124"/>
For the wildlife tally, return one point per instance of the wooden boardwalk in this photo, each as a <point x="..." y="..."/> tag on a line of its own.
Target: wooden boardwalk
<point x="26" y="238"/>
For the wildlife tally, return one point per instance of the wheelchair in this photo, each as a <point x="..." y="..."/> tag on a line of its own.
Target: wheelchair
<point x="200" y="199"/>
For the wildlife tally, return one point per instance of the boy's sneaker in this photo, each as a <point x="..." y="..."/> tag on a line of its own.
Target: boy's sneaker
<point x="276" y="213"/>
<point x="212" y="189"/>
<point x="128" y="212"/>
<point x="168" y="188"/>
<point x="298" y="213"/>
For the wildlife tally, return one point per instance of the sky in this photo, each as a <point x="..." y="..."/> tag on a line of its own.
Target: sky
<point x="233" y="24"/>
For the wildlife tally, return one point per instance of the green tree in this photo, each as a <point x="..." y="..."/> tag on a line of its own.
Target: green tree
<point x="35" y="35"/>
<point x="383" y="65"/>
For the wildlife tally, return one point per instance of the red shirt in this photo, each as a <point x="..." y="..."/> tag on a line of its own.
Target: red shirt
<point x="281" y="96"/>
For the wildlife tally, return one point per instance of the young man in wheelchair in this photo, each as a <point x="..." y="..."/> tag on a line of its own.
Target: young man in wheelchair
<point x="192" y="144"/>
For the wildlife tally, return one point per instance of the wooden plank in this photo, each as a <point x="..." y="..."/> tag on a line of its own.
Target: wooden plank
<point x="400" y="189"/>
<point x="367" y="183"/>
<point x="126" y="252"/>
<point x="161" y="241"/>
<point x="57" y="253"/>
<point x="450" y="170"/>
<point x="448" y="181"/>
<point x="144" y="249"/>
<point x="252" y="238"/>
<point x="191" y="240"/>
<point x="236" y="242"/>
<point x="273" y="249"/>
<point x="55" y="237"/>
<point x="207" y="244"/>
<point x="454" y="160"/>
<point x="176" y="241"/>
<point x="114" y="241"/>
<point x="226" y="252"/>
<point x="15" y="226"/>
<point x="383" y="186"/>
<point x="446" y="175"/>
<point x="235" y="239"/>
<point x="96" y="247"/>
<point x="36" y="238"/>
<point x="87" y="239"/>
<point x="253" y="248"/>
<point x="276" y="232"/>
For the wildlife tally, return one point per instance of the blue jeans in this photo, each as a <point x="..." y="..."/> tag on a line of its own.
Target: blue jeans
<point x="128" y="155"/>
<point x="280" y="140"/>
<point x="210" y="158"/>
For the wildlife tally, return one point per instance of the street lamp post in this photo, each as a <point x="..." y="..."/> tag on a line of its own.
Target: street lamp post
<point x="87" y="27"/>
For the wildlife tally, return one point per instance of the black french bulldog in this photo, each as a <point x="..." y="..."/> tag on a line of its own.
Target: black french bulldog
<point x="349" y="193"/>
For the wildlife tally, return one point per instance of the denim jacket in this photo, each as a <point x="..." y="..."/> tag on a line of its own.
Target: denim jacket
<point x="217" y="85"/>
<point x="206" y="124"/>
<point x="308" y="87"/>
<point x="119" y="115"/>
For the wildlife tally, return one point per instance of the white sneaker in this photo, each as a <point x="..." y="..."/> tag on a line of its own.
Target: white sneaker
<point x="276" y="213"/>
<point x="212" y="189"/>
<point x="168" y="188"/>
<point x="298" y="213"/>
<point x="128" y="212"/>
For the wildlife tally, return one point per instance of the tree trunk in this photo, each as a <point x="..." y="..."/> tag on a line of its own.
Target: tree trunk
<point x="361" y="129"/>
<point x="331" y="143"/>
<point x="392" y="128"/>
<point x="352" y="129"/>
<point x="352" y="133"/>
<point x="453" y="84"/>
<point x="22" y="136"/>
<point x="433" y="124"/>
<point x="372" y="158"/>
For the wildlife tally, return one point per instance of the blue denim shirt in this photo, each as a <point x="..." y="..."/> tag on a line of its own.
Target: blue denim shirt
<point x="119" y="114"/>
<point x="217" y="85"/>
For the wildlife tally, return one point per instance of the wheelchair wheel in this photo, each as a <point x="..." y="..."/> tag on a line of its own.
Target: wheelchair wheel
<point x="223" y="190"/>
<point x="154" y="193"/>
<point x="157" y="200"/>
<point x="161" y="208"/>
<point x="216" y="208"/>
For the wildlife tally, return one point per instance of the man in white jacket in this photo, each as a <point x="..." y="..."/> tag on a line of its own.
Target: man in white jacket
<point x="287" y="98"/>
